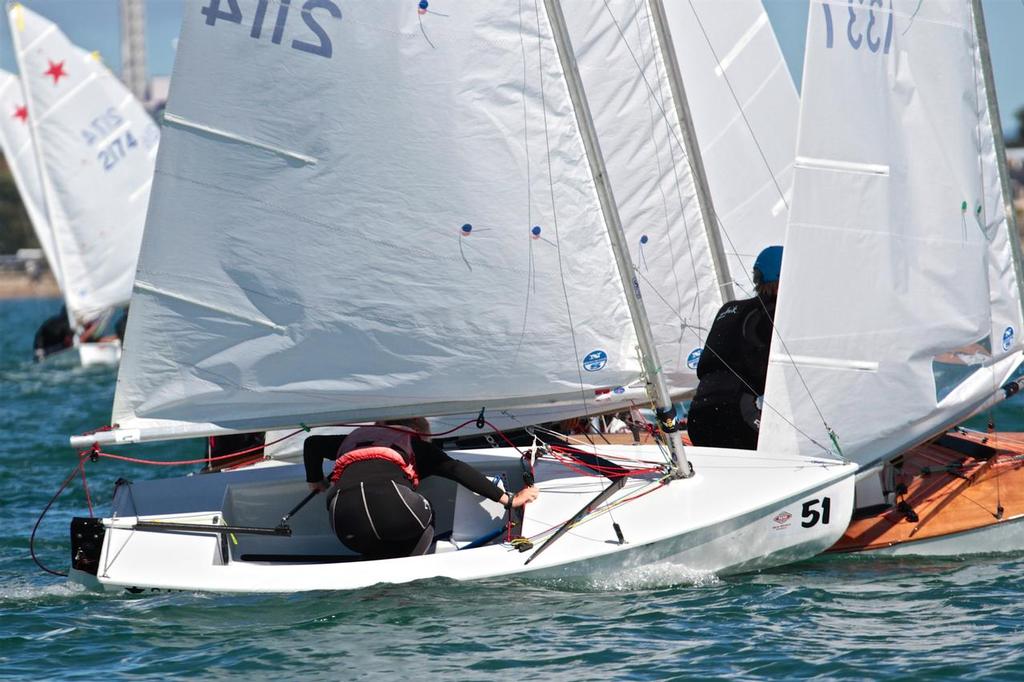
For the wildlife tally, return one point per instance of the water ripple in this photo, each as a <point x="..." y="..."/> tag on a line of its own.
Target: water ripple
<point x="839" y="618"/>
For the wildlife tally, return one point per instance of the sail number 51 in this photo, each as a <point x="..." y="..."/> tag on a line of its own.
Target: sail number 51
<point x="816" y="511"/>
<point x="322" y="47"/>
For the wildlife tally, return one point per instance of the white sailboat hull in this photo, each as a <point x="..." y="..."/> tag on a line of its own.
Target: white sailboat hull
<point x="92" y="354"/>
<point x="1003" y="537"/>
<point x="740" y="512"/>
<point x="106" y="353"/>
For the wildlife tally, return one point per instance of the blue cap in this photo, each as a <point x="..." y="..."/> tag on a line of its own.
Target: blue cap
<point x="768" y="265"/>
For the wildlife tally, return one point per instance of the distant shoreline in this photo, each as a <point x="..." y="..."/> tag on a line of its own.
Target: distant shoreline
<point x="20" y="285"/>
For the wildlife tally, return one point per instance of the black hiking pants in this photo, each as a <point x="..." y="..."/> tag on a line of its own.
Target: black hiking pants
<point x="382" y="518"/>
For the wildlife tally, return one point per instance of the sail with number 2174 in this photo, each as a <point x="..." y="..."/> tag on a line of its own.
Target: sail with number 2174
<point x="95" y="148"/>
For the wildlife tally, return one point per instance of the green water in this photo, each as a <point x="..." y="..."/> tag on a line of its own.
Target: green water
<point x="835" y="618"/>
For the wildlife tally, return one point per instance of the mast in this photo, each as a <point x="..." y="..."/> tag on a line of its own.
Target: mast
<point x="700" y="178"/>
<point x="133" y="47"/>
<point x="44" y="180"/>
<point x="617" y="236"/>
<point x="1000" y="144"/>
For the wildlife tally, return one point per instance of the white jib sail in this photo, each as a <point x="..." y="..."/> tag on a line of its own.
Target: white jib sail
<point x="97" y="148"/>
<point x="626" y="81"/>
<point x="368" y="210"/>
<point x="899" y="312"/>
<point x="16" y="142"/>
<point x="745" y="107"/>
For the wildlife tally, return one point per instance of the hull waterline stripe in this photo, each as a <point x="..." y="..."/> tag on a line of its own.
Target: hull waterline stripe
<point x="180" y="122"/>
<point x="149" y="288"/>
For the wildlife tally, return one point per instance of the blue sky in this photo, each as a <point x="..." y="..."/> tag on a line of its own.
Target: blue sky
<point x="93" y="24"/>
<point x="1004" y="20"/>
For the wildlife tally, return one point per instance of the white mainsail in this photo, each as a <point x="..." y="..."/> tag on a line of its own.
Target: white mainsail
<point x="16" y="143"/>
<point x="96" y="147"/>
<point x="487" y="281"/>
<point x="744" y="106"/>
<point x="900" y="309"/>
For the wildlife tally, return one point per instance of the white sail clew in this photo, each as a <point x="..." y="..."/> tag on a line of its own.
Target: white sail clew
<point x="96" y="147"/>
<point x="900" y="305"/>
<point x="744" y="106"/>
<point x="16" y="142"/>
<point x="489" y="281"/>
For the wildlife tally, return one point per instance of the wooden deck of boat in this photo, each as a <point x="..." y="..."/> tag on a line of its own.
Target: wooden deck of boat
<point x="948" y="489"/>
<point x="970" y="481"/>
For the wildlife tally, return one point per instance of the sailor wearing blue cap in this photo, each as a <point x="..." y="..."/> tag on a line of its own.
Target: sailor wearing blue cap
<point x="768" y="266"/>
<point x="725" y="412"/>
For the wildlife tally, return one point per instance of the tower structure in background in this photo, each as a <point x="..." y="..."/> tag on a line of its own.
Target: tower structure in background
<point x="133" y="47"/>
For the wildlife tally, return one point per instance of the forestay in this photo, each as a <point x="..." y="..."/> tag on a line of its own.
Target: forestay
<point x="744" y="107"/>
<point x="96" y="147"/>
<point x="900" y="308"/>
<point x="368" y="210"/>
<point x="16" y="142"/>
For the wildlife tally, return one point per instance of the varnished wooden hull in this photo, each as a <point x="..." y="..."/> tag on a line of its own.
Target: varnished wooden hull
<point x="963" y="495"/>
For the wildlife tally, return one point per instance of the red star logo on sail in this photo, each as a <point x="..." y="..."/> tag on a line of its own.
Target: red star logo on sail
<point x="21" y="113"/>
<point x="56" y="71"/>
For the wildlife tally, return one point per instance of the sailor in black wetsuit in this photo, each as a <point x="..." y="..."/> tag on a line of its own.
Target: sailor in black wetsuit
<point x="726" y="412"/>
<point x="374" y="507"/>
<point x="53" y="335"/>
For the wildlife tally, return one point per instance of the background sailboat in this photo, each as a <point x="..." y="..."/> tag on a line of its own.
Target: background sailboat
<point x="444" y="241"/>
<point x="900" y="308"/>
<point x="95" y="148"/>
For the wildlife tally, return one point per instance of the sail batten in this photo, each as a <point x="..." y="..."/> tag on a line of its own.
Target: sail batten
<point x="235" y="137"/>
